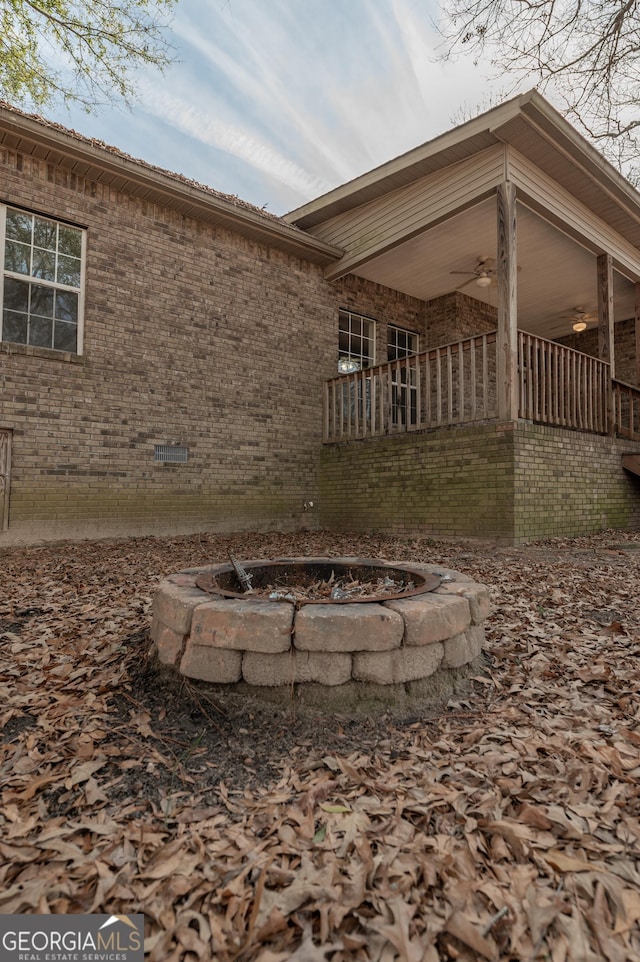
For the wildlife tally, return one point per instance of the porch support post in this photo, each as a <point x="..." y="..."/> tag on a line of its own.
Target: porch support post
<point x="606" y="350"/>
<point x="507" y="343"/>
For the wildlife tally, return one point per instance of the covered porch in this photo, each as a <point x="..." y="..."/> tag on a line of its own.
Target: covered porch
<point x="510" y="420"/>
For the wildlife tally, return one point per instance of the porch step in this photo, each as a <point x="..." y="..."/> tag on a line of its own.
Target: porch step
<point x="631" y="462"/>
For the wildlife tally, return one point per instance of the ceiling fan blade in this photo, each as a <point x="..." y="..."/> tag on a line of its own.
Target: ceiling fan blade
<point x="468" y="273"/>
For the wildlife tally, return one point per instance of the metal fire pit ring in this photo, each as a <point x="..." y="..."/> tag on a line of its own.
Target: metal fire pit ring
<point x="224" y="580"/>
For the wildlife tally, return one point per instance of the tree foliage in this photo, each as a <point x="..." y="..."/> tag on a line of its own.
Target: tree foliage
<point x="585" y="52"/>
<point x="82" y="51"/>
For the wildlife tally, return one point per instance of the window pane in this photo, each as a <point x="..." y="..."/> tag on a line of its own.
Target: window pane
<point x="44" y="233"/>
<point x="40" y="331"/>
<point x="68" y="271"/>
<point x="16" y="295"/>
<point x="69" y="241"/>
<point x="67" y="306"/>
<point x="42" y="300"/>
<point x="14" y="327"/>
<point x="19" y="226"/>
<point x="65" y="337"/>
<point x="17" y="257"/>
<point x="44" y="264"/>
<point x="356" y="346"/>
<point x="355" y="340"/>
<point x="401" y="343"/>
<point x="39" y="310"/>
<point x="343" y="342"/>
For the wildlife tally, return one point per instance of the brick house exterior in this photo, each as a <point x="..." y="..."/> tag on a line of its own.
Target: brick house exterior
<point x="194" y="335"/>
<point x="206" y="331"/>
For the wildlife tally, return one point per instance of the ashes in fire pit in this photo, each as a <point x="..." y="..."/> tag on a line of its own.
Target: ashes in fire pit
<point x="348" y="627"/>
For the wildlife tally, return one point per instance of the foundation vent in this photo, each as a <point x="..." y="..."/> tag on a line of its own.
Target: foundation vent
<point x="171" y="453"/>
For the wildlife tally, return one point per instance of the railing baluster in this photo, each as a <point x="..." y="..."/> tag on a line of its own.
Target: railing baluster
<point x="461" y="382"/>
<point x="472" y="377"/>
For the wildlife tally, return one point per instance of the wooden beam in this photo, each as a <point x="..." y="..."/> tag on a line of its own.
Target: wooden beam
<point x="507" y="344"/>
<point x="606" y="350"/>
<point x="5" y="477"/>
<point x="606" y="346"/>
<point x="631" y="462"/>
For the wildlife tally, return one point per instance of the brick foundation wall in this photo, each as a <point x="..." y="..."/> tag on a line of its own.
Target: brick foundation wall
<point x="449" y="483"/>
<point x="568" y="484"/>
<point x="511" y="482"/>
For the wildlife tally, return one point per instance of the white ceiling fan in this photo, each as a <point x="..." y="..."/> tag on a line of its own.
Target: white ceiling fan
<point x="578" y="318"/>
<point x="483" y="274"/>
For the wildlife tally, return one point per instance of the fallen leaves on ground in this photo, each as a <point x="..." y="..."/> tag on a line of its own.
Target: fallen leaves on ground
<point x="503" y="826"/>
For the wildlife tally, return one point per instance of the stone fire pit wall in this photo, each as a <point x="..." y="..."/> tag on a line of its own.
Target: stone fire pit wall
<point x="269" y="644"/>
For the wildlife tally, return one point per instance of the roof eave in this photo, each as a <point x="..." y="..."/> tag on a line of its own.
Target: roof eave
<point x="59" y="146"/>
<point x="465" y="140"/>
<point x="474" y="135"/>
<point x="540" y="113"/>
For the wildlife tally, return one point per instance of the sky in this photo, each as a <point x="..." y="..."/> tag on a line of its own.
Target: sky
<point x="279" y="101"/>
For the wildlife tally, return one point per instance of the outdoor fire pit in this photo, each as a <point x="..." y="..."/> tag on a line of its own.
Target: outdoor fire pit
<point x="336" y="626"/>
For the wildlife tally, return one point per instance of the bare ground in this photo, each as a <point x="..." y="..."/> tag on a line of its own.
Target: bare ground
<point x="500" y="825"/>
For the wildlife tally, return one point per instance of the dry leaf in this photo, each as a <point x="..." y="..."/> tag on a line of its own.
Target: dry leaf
<point x="464" y="930"/>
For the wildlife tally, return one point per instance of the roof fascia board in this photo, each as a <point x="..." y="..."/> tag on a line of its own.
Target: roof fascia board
<point x="547" y="119"/>
<point x="567" y="141"/>
<point x="276" y="232"/>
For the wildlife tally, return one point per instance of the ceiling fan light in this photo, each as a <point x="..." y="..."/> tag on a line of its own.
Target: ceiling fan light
<point x="579" y="326"/>
<point x="483" y="280"/>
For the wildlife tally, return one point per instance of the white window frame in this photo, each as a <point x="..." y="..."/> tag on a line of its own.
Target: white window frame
<point x="28" y="278"/>
<point x="404" y="389"/>
<point x="350" y="358"/>
<point x="392" y="342"/>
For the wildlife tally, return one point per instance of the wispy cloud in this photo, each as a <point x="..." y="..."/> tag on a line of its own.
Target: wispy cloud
<point x="235" y="140"/>
<point x="281" y="101"/>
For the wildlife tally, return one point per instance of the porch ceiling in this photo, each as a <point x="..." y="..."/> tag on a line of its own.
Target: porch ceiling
<point x="556" y="273"/>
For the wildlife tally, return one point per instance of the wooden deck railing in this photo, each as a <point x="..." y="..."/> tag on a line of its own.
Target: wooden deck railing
<point x="626" y="410"/>
<point x="448" y="385"/>
<point x="560" y="386"/>
<point x="456" y="384"/>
